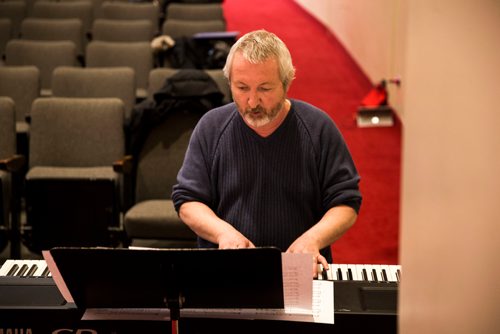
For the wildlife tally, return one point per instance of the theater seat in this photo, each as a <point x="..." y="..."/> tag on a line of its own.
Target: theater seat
<point x="73" y="193"/>
<point x="10" y="163"/>
<point x="153" y="221"/>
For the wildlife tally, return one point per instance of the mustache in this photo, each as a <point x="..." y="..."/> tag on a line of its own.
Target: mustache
<point x="256" y="109"/>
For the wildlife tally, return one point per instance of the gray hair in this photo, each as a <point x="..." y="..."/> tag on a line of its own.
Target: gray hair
<point x="258" y="46"/>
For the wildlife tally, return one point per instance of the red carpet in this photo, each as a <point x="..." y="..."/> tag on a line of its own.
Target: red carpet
<point x="329" y="78"/>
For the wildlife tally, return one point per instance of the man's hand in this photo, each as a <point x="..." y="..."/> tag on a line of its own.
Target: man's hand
<point x="306" y="244"/>
<point x="230" y="238"/>
<point x="206" y="224"/>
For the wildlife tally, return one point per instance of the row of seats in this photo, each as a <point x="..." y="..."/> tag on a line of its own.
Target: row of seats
<point x="22" y="84"/>
<point x="49" y="42"/>
<point x="88" y="11"/>
<point x="79" y="179"/>
<point x="121" y="22"/>
<point x="58" y="102"/>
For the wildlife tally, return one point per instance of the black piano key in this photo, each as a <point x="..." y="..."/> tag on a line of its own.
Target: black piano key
<point x="324" y="274"/>
<point x="46" y="272"/>
<point x="339" y="275"/>
<point x="32" y="270"/>
<point x="384" y="276"/>
<point x="365" y="275"/>
<point x="23" y="269"/>
<point x="398" y="275"/>
<point x="13" y="270"/>
<point x="349" y="274"/>
<point x="374" y="275"/>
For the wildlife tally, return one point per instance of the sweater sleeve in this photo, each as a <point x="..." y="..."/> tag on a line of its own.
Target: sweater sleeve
<point x="339" y="178"/>
<point x="337" y="169"/>
<point x="193" y="182"/>
<point x="194" y="178"/>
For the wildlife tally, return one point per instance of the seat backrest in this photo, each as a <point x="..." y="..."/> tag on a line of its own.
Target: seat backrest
<point x="122" y="30"/>
<point x="7" y="127"/>
<point x="7" y="149"/>
<point x="22" y="84"/>
<point x="80" y="9"/>
<point x="120" y="10"/>
<point x="54" y="30"/>
<point x="45" y="55"/>
<point x="76" y="132"/>
<point x="195" y="11"/>
<point x="162" y="153"/>
<point x="96" y="82"/>
<point x="136" y="55"/>
<point x="187" y="28"/>
<point x="5" y="34"/>
<point x="16" y="12"/>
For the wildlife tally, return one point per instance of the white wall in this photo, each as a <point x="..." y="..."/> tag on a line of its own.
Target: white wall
<point x="372" y="33"/>
<point x="451" y="175"/>
<point x="450" y="216"/>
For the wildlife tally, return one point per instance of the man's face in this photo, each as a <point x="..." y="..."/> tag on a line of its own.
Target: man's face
<point x="257" y="91"/>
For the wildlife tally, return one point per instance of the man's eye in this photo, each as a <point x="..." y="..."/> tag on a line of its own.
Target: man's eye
<point x="264" y="89"/>
<point x="244" y="88"/>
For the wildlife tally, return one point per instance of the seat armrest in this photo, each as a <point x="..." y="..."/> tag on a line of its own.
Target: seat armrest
<point x="13" y="163"/>
<point x="125" y="165"/>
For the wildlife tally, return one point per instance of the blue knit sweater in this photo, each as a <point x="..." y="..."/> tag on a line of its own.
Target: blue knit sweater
<point x="270" y="189"/>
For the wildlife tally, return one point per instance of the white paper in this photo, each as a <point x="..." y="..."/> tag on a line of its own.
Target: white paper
<point x="297" y="280"/>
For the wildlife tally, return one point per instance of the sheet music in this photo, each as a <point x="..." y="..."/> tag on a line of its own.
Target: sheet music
<point x="297" y="280"/>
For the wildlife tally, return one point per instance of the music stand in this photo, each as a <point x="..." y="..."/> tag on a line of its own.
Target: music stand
<point x="172" y="278"/>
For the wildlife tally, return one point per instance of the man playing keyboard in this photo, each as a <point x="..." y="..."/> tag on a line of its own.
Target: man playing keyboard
<point x="267" y="170"/>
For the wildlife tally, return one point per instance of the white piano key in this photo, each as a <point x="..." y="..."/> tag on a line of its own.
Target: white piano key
<point x="320" y="271"/>
<point x="359" y="271"/>
<point x="354" y="273"/>
<point x="396" y="269"/>
<point x="345" y="272"/>
<point x="387" y="268"/>
<point x="336" y="270"/>
<point x="330" y="272"/>
<point x="9" y="264"/>
<point x="29" y="264"/>
<point x="327" y="272"/>
<point x="42" y="265"/>
<point x="6" y="267"/>
<point x="369" y="268"/>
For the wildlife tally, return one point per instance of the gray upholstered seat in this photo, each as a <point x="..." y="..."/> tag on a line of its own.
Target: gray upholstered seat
<point x="73" y="194"/>
<point x="5" y="35"/>
<point x="122" y="30"/>
<point x="22" y="84"/>
<point x="179" y="28"/>
<point x="45" y="55"/>
<point x="195" y="11"/>
<point x="153" y="221"/>
<point x="9" y="164"/>
<point x="96" y="82"/>
<point x="16" y="12"/>
<point x="7" y="149"/>
<point x="43" y="29"/>
<point x="136" y="55"/>
<point x="80" y="9"/>
<point x="122" y="10"/>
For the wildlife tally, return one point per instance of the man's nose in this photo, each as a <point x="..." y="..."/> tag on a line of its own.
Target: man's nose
<point x="253" y="100"/>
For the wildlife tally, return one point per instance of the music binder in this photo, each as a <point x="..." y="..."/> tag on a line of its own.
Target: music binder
<point x="172" y="278"/>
